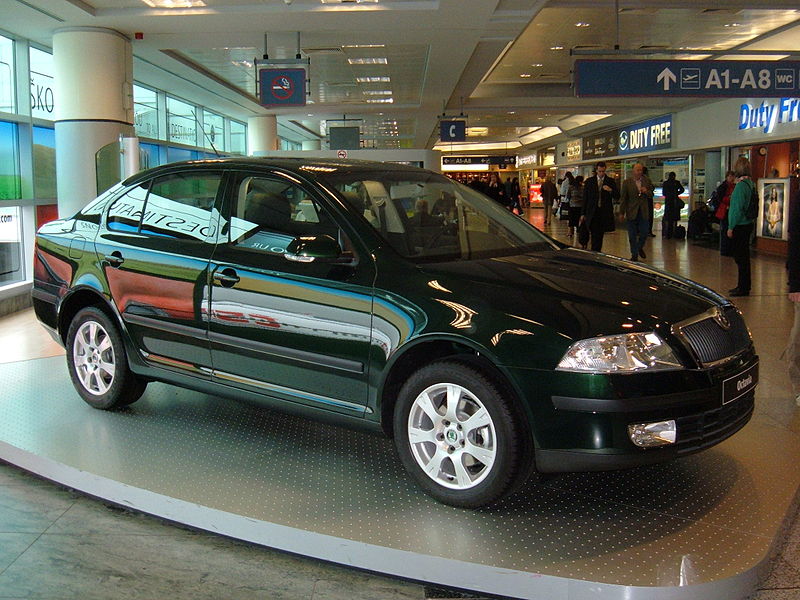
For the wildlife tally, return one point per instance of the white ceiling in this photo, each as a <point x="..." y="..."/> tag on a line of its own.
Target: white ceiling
<point x="488" y="59"/>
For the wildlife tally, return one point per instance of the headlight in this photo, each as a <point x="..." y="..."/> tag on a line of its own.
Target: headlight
<point x="620" y="354"/>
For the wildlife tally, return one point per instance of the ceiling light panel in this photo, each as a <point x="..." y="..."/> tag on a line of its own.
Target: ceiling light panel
<point x="174" y="3"/>
<point x="688" y="27"/>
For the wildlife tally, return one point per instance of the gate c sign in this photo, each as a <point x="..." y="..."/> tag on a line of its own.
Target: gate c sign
<point x="452" y="131"/>
<point x="282" y="87"/>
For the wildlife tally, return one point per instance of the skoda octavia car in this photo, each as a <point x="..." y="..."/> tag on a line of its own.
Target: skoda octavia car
<point x="396" y="298"/>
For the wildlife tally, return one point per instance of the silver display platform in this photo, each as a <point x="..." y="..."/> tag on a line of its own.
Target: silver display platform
<point x="700" y="527"/>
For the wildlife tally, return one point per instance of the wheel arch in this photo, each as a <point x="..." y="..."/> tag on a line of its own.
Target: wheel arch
<point x="426" y="350"/>
<point x="79" y="299"/>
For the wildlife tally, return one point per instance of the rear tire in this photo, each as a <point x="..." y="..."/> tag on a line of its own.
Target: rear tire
<point x="456" y="435"/>
<point x="97" y="362"/>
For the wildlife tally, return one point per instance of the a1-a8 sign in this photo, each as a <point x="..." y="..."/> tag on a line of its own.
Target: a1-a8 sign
<point x="709" y="78"/>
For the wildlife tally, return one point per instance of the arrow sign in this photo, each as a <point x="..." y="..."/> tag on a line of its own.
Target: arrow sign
<point x="666" y="76"/>
<point x="690" y="78"/>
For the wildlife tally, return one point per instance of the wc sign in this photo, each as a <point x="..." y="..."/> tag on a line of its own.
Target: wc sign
<point x="452" y="131"/>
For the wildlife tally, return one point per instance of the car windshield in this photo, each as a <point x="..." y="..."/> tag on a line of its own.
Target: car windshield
<point x="428" y="217"/>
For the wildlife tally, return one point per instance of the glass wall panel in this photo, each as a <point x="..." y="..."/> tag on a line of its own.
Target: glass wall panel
<point x="11" y="263"/>
<point x="43" y="101"/>
<point x="44" y="162"/>
<point x="238" y="138"/>
<point x="145" y="113"/>
<point x="213" y="131"/>
<point x="176" y="154"/>
<point x="6" y="75"/>
<point x="149" y="156"/>
<point x="10" y="184"/>
<point x="181" y="122"/>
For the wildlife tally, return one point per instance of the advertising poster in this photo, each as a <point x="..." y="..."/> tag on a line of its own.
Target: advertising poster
<point x="773" y="214"/>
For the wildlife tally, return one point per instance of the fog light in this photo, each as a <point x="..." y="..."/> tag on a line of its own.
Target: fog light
<point x="648" y="435"/>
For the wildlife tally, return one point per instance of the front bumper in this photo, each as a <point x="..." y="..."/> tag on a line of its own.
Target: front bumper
<point x="590" y="432"/>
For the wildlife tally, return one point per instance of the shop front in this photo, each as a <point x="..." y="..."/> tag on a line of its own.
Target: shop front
<point x="766" y="131"/>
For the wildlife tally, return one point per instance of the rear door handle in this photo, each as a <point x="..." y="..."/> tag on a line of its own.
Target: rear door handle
<point x="114" y="259"/>
<point x="226" y="277"/>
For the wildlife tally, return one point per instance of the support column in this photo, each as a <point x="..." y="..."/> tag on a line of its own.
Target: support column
<point x="94" y="87"/>
<point x="262" y="134"/>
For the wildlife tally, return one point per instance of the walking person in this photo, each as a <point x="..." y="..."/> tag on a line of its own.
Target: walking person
<point x="672" y="189"/>
<point x="599" y="193"/>
<point x="740" y="228"/>
<point x="636" y="191"/>
<point x="575" y="204"/>
<point x="496" y="190"/>
<point x="549" y="193"/>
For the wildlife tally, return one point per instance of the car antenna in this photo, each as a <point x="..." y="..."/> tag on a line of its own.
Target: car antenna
<point x="205" y="135"/>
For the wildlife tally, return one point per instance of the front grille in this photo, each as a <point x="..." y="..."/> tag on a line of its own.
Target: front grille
<point x="705" y="429"/>
<point x="709" y="341"/>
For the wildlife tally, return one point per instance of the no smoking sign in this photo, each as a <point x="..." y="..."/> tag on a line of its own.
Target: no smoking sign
<point x="282" y="87"/>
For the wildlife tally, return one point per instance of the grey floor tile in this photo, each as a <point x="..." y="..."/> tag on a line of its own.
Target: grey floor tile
<point x="144" y="566"/>
<point x="353" y="585"/>
<point x="12" y="545"/>
<point x="11" y="475"/>
<point x="89" y="516"/>
<point x="783" y="575"/>
<point x="788" y="594"/>
<point x="31" y="508"/>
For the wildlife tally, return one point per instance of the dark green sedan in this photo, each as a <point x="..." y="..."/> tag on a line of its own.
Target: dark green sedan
<point x="395" y="298"/>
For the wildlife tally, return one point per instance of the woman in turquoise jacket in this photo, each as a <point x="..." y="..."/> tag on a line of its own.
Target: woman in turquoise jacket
<point x="740" y="228"/>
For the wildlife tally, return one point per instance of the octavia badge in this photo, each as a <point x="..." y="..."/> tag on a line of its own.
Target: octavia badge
<point x="722" y="320"/>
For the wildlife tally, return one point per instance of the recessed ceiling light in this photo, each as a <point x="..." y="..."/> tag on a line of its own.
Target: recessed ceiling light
<point x="733" y="25"/>
<point x="512" y="112"/>
<point x="364" y="46"/>
<point x="379" y="79"/>
<point x="556" y="47"/>
<point x="174" y="3"/>
<point x="525" y="75"/>
<point x="537" y="65"/>
<point x="380" y="100"/>
<point x="582" y="24"/>
<point x="377" y="92"/>
<point x="368" y="61"/>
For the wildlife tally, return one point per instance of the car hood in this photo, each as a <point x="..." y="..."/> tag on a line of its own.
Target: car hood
<point x="578" y="294"/>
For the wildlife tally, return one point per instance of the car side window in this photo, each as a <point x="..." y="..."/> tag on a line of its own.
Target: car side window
<point x="179" y="206"/>
<point x="268" y="213"/>
<point x="125" y="213"/>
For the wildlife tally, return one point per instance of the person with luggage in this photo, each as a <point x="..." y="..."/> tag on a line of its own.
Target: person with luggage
<point x="599" y="193"/>
<point x="549" y="193"/>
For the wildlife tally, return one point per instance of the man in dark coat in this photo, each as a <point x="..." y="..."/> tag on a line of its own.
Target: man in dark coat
<point x="599" y="193"/>
<point x="549" y="193"/>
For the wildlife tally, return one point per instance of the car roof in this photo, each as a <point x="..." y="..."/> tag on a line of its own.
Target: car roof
<point x="307" y="167"/>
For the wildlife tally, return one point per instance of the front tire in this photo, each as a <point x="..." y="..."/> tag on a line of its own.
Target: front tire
<point x="456" y="435"/>
<point x="97" y="363"/>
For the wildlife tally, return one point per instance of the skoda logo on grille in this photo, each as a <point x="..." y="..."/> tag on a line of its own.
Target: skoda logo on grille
<point x="722" y="320"/>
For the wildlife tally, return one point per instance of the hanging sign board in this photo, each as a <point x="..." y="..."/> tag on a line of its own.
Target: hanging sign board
<point x="452" y="131"/>
<point x="282" y="87"/>
<point x="702" y="78"/>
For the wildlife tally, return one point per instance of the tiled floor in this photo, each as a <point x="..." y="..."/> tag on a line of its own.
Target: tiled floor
<point x="56" y="544"/>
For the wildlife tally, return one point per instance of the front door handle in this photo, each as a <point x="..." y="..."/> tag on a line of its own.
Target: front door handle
<point x="114" y="259"/>
<point x="226" y="277"/>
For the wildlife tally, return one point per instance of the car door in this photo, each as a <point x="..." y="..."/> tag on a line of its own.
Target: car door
<point x="155" y="248"/>
<point x="298" y="331"/>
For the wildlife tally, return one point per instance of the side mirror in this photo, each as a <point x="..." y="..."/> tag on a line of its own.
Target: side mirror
<point x="321" y="248"/>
